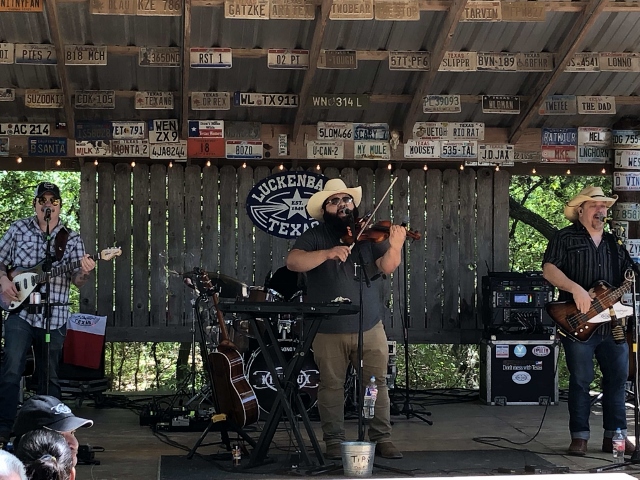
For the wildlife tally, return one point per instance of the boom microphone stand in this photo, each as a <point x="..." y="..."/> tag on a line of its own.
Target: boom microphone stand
<point x="46" y="268"/>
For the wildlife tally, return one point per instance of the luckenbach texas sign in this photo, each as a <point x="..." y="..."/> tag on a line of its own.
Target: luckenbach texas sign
<point x="278" y="204"/>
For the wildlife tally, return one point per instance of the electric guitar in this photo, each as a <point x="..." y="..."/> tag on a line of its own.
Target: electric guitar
<point x="580" y="326"/>
<point x="27" y="279"/>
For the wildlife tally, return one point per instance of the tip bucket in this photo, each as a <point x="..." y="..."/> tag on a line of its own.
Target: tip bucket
<point x="357" y="458"/>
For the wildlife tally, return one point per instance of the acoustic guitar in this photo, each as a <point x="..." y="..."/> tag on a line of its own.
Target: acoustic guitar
<point x="235" y="396"/>
<point x="580" y="326"/>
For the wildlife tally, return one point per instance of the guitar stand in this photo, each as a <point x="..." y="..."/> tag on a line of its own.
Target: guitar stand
<point x="220" y="423"/>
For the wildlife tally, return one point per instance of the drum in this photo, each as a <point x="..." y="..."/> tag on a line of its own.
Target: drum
<point x="261" y="380"/>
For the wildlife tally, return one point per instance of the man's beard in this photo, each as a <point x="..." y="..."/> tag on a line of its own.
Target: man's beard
<point x="339" y="224"/>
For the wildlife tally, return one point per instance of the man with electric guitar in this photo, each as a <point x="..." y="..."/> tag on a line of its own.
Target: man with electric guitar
<point x="584" y="261"/>
<point x="24" y="245"/>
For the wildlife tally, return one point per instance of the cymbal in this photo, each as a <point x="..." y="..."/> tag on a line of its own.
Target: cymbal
<point x="228" y="287"/>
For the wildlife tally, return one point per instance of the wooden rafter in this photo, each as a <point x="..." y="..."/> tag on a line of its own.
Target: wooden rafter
<point x="51" y="7"/>
<point x="314" y="53"/>
<point x="186" y="46"/>
<point x="569" y="46"/>
<point x="445" y="38"/>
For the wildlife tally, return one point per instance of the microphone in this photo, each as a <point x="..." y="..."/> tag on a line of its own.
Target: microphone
<point x="47" y="214"/>
<point x="346" y="211"/>
<point x="602" y="218"/>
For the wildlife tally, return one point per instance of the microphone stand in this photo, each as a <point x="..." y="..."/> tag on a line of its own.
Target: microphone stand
<point x="46" y="268"/>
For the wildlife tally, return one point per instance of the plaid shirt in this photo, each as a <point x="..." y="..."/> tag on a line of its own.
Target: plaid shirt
<point x="24" y="245"/>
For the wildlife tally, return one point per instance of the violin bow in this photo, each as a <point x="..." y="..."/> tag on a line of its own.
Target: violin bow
<point x="366" y="224"/>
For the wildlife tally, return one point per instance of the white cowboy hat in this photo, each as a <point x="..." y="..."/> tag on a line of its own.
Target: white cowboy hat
<point x="333" y="186"/>
<point x="588" y="194"/>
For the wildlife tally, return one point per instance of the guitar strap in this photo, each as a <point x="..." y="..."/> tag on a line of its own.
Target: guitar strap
<point x="617" y="324"/>
<point x="60" y="243"/>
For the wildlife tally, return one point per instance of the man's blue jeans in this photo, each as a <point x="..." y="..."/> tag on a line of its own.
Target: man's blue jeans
<point x="614" y="363"/>
<point x="19" y="336"/>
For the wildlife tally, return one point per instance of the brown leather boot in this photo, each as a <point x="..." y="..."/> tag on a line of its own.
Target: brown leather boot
<point x="578" y="447"/>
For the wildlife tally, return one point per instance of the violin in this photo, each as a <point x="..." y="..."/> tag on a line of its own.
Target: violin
<point x="375" y="233"/>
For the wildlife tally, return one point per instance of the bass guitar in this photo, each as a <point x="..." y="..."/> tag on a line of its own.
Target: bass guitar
<point x="27" y="279"/>
<point x="235" y="396"/>
<point x="580" y="326"/>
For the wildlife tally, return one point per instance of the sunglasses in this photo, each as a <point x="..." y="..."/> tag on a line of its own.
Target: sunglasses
<point x="338" y="200"/>
<point x="54" y="201"/>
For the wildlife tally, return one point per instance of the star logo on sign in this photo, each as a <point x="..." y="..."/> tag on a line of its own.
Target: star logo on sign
<point x="297" y="205"/>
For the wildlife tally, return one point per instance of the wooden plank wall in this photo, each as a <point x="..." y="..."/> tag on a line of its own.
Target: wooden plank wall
<point x="169" y="220"/>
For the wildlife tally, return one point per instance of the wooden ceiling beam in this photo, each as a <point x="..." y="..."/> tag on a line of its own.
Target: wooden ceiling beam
<point x="314" y="53"/>
<point x="445" y="38"/>
<point x="51" y="7"/>
<point x="186" y="67"/>
<point x="567" y="49"/>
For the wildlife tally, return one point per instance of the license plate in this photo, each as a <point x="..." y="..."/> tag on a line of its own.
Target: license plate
<point x="633" y="246"/>
<point x="626" y="211"/>
<point x="410" y="61"/>
<point x="371" y="131"/>
<point x="25" y="129"/>
<point x="625" y="138"/>
<point x="280" y="58"/>
<point x="211" y="58"/>
<point x="128" y="130"/>
<point x="441" y="104"/>
<point x="460" y="149"/>
<point x="335" y="131"/>
<point x="281" y="100"/>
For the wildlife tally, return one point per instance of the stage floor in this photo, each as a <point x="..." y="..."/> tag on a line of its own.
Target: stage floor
<point x="133" y="451"/>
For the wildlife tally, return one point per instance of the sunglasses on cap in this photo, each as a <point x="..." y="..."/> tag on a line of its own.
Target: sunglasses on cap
<point x="338" y="200"/>
<point x="43" y="201"/>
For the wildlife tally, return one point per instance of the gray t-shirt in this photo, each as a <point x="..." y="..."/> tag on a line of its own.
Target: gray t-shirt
<point x="333" y="278"/>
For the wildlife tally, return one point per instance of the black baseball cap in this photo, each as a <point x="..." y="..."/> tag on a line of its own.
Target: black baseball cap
<point x="44" y="187"/>
<point x="45" y="411"/>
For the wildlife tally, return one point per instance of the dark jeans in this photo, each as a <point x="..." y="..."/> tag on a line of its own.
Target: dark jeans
<point x="19" y="336"/>
<point x="614" y="363"/>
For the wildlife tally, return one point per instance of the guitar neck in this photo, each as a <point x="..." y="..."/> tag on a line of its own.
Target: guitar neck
<point x="61" y="270"/>
<point x="223" y="328"/>
<point x="615" y="294"/>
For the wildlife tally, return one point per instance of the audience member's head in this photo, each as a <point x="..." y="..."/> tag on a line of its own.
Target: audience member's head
<point x="10" y="467"/>
<point x="46" y="456"/>
<point x="44" y="411"/>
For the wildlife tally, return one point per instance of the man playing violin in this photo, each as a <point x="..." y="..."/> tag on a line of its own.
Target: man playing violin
<point x="331" y="271"/>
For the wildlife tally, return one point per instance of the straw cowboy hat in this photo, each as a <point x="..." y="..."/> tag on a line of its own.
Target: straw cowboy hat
<point x="588" y="194"/>
<point x="333" y="186"/>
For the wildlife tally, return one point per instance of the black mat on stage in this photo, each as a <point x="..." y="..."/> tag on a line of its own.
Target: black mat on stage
<point x="445" y="463"/>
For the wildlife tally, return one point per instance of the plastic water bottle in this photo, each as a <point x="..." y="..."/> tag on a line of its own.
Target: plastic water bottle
<point x="618" y="442"/>
<point x="370" y="395"/>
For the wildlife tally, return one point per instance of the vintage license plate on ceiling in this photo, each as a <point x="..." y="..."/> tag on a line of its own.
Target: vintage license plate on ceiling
<point x="633" y="247"/>
<point x="594" y="136"/>
<point x="503" y="104"/>
<point x="441" y="104"/>
<point x="596" y="105"/>
<point x="7" y="94"/>
<point x="559" y="153"/>
<point x="128" y="130"/>
<point x="626" y="181"/>
<point x="495" y="153"/>
<point x="351" y="10"/>
<point x="244" y="149"/>
<point x="527" y="156"/>
<point x="621" y="228"/>
<point x="47" y="146"/>
<point x="459" y="148"/>
<point x="154" y="101"/>
<point x="619" y="62"/>
<point x="431" y="130"/>
<point x="523" y="11"/>
<point x="130" y="148"/>
<point x="169" y="151"/>
<point x="281" y="58"/>
<point x="422" y="149"/>
<point x="371" y="151"/>
<point x="21" y="5"/>
<point x="43" y="98"/>
<point x="211" y="57"/>
<point x="559" y="105"/>
<point x="25" y="129"/>
<point x="534" y="61"/>
<point x="205" y="147"/>
<point x="95" y="99"/>
<point x="210" y="100"/>
<point x="6" y="53"/>
<point x="626" y="211"/>
<point x="397" y="10"/>
<point x="583" y="62"/>
<point x="242" y="130"/>
<point x="497" y="61"/>
<point x="371" y="131"/>
<point x="559" y="136"/>
<point x="85" y="55"/>
<point x="482" y="11"/>
<point x="160" y="8"/>
<point x="338" y="101"/>
<point x="292" y="10"/>
<point x="249" y="9"/>
<point x="93" y="130"/>
<point x="163" y="131"/>
<point x="113" y="7"/>
<point x="279" y="100"/>
<point x="93" y="148"/>
<point x="159" y="57"/>
<point x="35" y="54"/>
<point x="206" y="128"/>
<point x="591" y="154"/>
<point x="338" y="59"/>
<point x="459" y="62"/>
<point x="466" y="131"/>
<point x="627" y="159"/>
<point x="625" y="139"/>
<point x="410" y="61"/>
<point x="321" y="149"/>
<point x="334" y="131"/>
